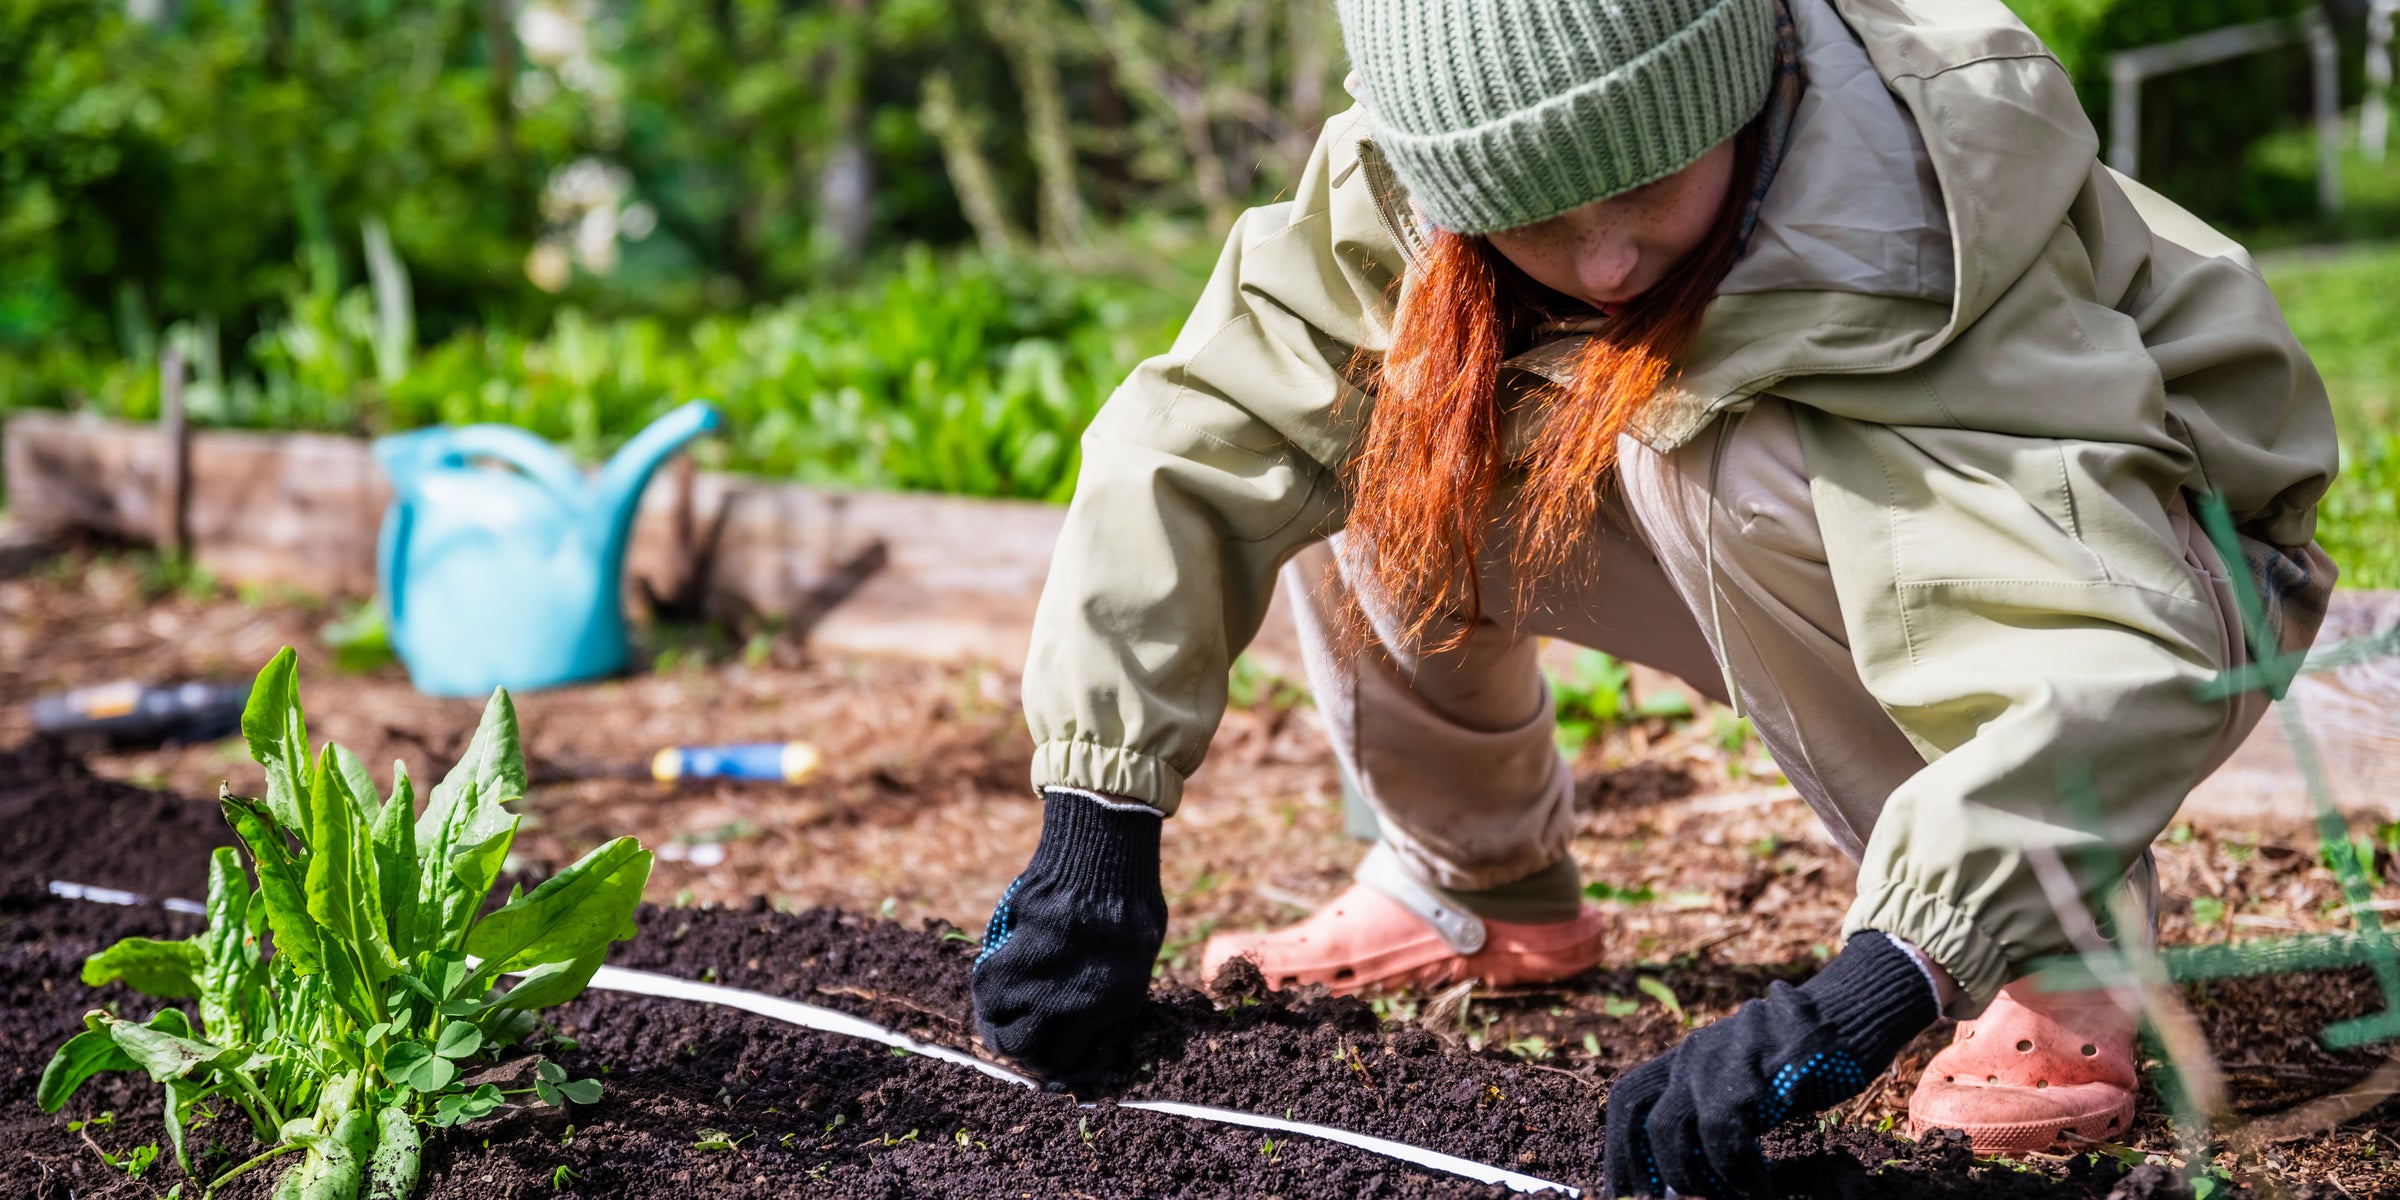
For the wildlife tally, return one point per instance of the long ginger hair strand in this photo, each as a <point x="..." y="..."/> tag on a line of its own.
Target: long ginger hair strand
<point x="1433" y="462"/>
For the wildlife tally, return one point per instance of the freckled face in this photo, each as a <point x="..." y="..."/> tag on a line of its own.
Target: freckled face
<point x="1609" y="252"/>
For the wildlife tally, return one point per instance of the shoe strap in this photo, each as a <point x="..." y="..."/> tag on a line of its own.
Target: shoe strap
<point x="1382" y="870"/>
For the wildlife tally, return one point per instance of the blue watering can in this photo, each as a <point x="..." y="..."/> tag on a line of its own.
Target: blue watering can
<point x="511" y="578"/>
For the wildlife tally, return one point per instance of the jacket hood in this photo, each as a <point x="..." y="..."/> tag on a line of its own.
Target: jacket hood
<point x="2004" y="133"/>
<point x="2008" y="149"/>
<point x="1855" y="206"/>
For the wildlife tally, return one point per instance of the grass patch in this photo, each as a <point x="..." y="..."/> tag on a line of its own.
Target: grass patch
<point x="2341" y="304"/>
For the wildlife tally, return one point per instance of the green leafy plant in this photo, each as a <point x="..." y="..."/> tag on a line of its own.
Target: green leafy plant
<point x="1531" y="1048"/>
<point x="712" y="1139"/>
<point x="1655" y="988"/>
<point x="1589" y="697"/>
<point x="1601" y="889"/>
<point x="345" y="978"/>
<point x="1595" y="694"/>
<point x="135" y="1162"/>
<point x="360" y="638"/>
<point x="1251" y="685"/>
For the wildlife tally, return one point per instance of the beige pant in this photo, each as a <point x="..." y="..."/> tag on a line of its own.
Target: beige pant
<point x="1454" y="750"/>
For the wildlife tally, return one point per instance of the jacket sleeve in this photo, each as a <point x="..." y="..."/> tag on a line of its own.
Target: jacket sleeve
<point x="1207" y="469"/>
<point x="2031" y="680"/>
<point x="2036" y="613"/>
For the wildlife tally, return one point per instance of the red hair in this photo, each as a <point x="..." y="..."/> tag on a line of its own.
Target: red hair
<point x="1423" y="483"/>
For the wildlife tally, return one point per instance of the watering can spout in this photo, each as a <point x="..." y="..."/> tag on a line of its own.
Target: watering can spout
<point x="619" y="486"/>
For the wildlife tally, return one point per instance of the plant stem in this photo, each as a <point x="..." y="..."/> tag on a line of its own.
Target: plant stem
<point x="273" y="1110"/>
<point x="261" y="1160"/>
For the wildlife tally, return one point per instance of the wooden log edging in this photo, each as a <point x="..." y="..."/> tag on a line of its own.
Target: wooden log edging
<point x="956" y="578"/>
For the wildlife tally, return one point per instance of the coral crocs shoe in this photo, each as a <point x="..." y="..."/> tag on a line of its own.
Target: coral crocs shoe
<point x="1390" y="930"/>
<point x="2035" y="1069"/>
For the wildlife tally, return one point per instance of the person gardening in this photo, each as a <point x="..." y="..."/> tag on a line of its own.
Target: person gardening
<point x="1800" y="348"/>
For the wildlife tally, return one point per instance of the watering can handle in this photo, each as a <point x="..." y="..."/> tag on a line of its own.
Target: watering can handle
<point x="390" y="562"/>
<point x="518" y="449"/>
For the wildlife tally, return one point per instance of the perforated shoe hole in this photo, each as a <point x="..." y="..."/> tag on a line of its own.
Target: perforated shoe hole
<point x="2090" y="1049"/>
<point x="2025" y="1046"/>
<point x="2113" y="1122"/>
<point x="1344" y="973"/>
<point x="2041" y="1083"/>
<point x="1991" y="1079"/>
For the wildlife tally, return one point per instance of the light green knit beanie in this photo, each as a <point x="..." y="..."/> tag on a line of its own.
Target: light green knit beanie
<point x="1499" y="113"/>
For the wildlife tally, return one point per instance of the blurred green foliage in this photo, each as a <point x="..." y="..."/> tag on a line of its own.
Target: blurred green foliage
<point x="959" y="373"/>
<point x="179" y="166"/>
<point x="1594" y="695"/>
<point x="2341" y="304"/>
<point x="206" y="161"/>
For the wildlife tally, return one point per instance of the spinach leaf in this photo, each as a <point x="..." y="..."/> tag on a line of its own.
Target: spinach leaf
<point x="166" y="970"/>
<point x="278" y="735"/>
<point x="228" y="975"/>
<point x="394" y="839"/>
<point x="85" y="1055"/>
<point x="584" y="907"/>
<point x="280" y="888"/>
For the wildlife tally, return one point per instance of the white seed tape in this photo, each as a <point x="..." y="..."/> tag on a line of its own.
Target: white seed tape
<point x="809" y="1016"/>
<point x="77" y="891"/>
<point x="792" y="1012"/>
<point x="1430" y="1159"/>
<point x="826" y="1020"/>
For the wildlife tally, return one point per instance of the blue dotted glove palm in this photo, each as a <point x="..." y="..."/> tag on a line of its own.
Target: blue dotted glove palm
<point x="1688" y="1122"/>
<point x="1066" y="959"/>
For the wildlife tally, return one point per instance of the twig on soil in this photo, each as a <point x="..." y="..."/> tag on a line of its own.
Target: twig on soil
<point x="1577" y="1076"/>
<point x="859" y="993"/>
<point x="1704" y="945"/>
<point x="1858" y="1108"/>
<point x="2322" y="1114"/>
<point x="87" y="1140"/>
<point x="1447" y="1010"/>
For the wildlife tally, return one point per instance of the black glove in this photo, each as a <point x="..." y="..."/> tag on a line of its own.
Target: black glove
<point x="1066" y="960"/>
<point x="1690" y="1119"/>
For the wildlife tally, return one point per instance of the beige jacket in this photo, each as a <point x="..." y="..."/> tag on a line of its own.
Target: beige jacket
<point x="1996" y="442"/>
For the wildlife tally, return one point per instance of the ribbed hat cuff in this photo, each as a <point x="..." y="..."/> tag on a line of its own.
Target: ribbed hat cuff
<point x="1648" y="119"/>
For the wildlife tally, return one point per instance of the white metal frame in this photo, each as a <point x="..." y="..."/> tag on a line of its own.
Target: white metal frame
<point x="2128" y="69"/>
<point x="2374" y="117"/>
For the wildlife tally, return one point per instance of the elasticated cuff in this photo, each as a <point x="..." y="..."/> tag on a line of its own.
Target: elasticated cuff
<point x="1090" y="766"/>
<point x="1946" y="934"/>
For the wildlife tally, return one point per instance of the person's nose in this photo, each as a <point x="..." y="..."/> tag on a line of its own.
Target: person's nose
<point x="1607" y="266"/>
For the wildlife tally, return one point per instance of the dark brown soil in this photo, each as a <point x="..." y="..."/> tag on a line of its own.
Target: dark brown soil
<point x="836" y="1117"/>
<point x="922" y="812"/>
<point x="58" y="821"/>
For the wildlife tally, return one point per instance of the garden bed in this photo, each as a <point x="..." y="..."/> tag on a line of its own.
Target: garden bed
<point x="807" y="1111"/>
<point x="922" y="814"/>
